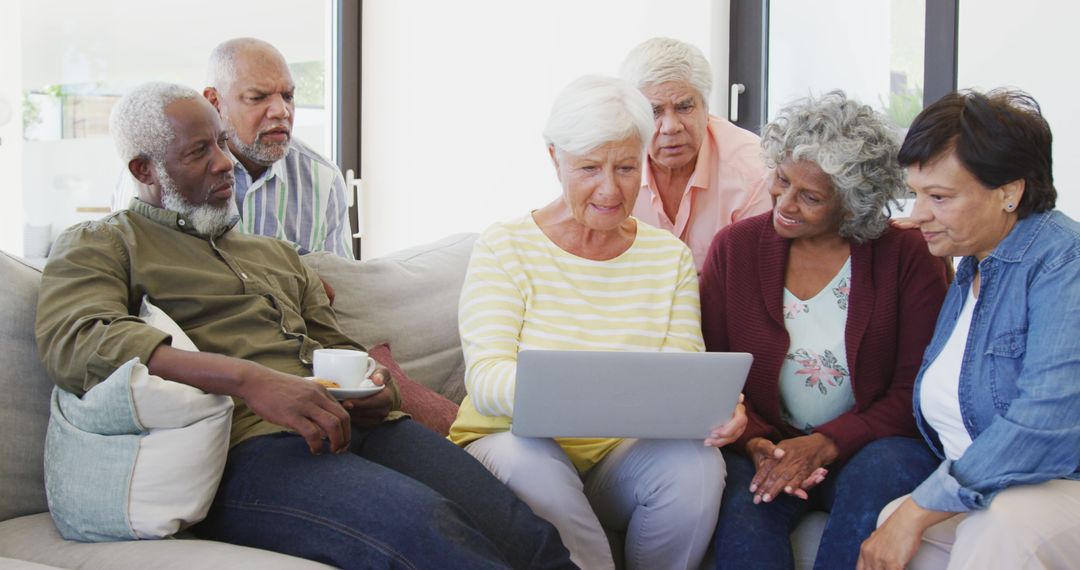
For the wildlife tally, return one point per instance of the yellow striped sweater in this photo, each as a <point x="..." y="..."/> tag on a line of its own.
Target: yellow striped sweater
<point x="522" y="292"/>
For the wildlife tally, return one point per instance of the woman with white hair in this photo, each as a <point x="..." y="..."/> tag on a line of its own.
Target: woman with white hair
<point x="836" y="307"/>
<point x="562" y="277"/>
<point x="703" y="172"/>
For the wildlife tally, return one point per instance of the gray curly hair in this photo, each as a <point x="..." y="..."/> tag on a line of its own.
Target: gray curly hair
<point x="138" y="124"/>
<point x="852" y="144"/>
<point x="659" y="60"/>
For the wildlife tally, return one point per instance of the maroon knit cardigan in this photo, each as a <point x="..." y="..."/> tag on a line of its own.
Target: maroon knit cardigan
<point x="897" y="288"/>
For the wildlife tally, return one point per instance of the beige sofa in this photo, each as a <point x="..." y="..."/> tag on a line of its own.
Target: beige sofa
<point x="28" y="537"/>
<point x="407" y="299"/>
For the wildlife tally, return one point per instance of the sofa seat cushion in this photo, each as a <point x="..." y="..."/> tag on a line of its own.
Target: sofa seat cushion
<point x="34" y="538"/>
<point x="407" y="299"/>
<point x="12" y="564"/>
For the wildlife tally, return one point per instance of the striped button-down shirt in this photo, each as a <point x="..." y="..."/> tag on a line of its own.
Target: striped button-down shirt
<point x="300" y="199"/>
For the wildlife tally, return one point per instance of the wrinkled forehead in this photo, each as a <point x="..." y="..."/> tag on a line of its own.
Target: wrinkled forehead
<point x="670" y="92"/>
<point x="192" y="119"/>
<point x="266" y="70"/>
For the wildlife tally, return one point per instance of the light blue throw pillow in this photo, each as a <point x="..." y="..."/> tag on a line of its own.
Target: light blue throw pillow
<point x="137" y="456"/>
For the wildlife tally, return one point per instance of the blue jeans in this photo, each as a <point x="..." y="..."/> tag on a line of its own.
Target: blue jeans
<point x="757" y="536"/>
<point x="403" y="497"/>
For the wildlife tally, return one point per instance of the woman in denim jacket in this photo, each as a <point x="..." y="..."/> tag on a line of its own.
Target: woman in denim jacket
<point x="998" y="393"/>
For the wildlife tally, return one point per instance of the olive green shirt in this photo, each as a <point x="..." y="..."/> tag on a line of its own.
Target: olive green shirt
<point x="235" y="294"/>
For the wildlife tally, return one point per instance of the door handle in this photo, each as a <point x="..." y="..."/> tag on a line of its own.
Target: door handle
<point x="736" y="90"/>
<point x="354" y="190"/>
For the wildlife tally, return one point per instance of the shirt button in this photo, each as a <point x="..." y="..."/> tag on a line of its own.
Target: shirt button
<point x="305" y="360"/>
<point x="181" y="222"/>
<point x="243" y="275"/>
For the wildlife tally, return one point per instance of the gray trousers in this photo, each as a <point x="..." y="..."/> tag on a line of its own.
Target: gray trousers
<point x="664" y="494"/>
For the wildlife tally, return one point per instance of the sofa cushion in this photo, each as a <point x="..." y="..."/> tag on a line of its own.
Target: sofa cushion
<point x="24" y="393"/>
<point x="12" y="564"/>
<point x="426" y="406"/>
<point x="118" y="460"/>
<point x="407" y="299"/>
<point x="34" y="538"/>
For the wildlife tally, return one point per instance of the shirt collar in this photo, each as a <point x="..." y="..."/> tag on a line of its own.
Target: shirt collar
<point x="275" y="169"/>
<point x="702" y="170"/>
<point x="172" y="219"/>
<point x="1016" y="244"/>
<point x="1012" y="249"/>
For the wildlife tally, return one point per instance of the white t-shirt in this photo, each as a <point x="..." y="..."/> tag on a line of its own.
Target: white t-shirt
<point x="940" y="391"/>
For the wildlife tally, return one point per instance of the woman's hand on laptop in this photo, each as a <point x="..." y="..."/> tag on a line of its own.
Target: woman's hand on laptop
<point x="729" y="432"/>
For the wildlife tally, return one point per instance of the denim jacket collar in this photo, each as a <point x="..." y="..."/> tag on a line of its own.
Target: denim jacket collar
<point x="1011" y="249"/>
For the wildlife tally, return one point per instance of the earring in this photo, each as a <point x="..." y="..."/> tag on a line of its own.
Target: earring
<point x="1010" y="207"/>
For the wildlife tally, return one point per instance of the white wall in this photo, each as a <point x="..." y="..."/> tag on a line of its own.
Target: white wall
<point x="455" y="95"/>
<point x="11" y="218"/>
<point x="64" y="175"/>
<point x="1032" y="45"/>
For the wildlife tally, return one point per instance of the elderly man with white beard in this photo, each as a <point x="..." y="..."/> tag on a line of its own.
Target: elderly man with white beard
<point x="401" y="495"/>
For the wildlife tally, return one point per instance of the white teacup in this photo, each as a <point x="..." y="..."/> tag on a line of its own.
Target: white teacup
<point x="349" y="368"/>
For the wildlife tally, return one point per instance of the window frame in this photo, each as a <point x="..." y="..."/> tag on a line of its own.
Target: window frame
<point x="749" y="55"/>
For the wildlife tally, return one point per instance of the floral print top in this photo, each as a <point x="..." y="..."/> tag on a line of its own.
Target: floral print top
<point x="815" y="383"/>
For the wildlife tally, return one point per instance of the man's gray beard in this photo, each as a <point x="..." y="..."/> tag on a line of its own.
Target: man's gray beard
<point x="206" y="218"/>
<point x="260" y="153"/>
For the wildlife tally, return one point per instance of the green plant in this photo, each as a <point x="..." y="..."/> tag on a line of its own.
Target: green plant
<point x="308" y="76"/>
<point x="31" y="112"/>
<point x="903" y="106"/>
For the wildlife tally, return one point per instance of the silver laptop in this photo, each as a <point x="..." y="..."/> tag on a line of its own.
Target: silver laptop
<point x="652" y="395"/>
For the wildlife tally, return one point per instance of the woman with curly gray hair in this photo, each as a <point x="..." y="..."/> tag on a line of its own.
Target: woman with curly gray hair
<point x="836" y="306"/>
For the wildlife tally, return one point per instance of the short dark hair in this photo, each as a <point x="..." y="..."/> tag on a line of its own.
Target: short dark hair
<point x="1000" y="136"/>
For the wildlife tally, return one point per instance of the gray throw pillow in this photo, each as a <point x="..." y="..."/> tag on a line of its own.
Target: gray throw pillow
<point x="409" y="300"/>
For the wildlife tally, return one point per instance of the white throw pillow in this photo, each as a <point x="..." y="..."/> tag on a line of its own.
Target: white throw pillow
<point x="155" y="317"/>
<point x="137" y="456"/>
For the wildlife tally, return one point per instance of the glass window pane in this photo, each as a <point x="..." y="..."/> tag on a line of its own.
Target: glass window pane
<point x="73" y="59"/>
<point x="872" y="49"/>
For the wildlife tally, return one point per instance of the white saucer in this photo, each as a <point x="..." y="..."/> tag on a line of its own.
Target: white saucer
<point x="366" y="388"/>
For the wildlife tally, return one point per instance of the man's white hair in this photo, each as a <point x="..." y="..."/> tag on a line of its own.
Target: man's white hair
<point x="221" y="70"/>
<point x="594" y="110"/>
<point x="660" y="60"/>
<point x="138" y="123"/>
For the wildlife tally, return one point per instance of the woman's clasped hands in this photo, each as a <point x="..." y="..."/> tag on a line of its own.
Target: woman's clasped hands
<point x="793" y="466"/>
